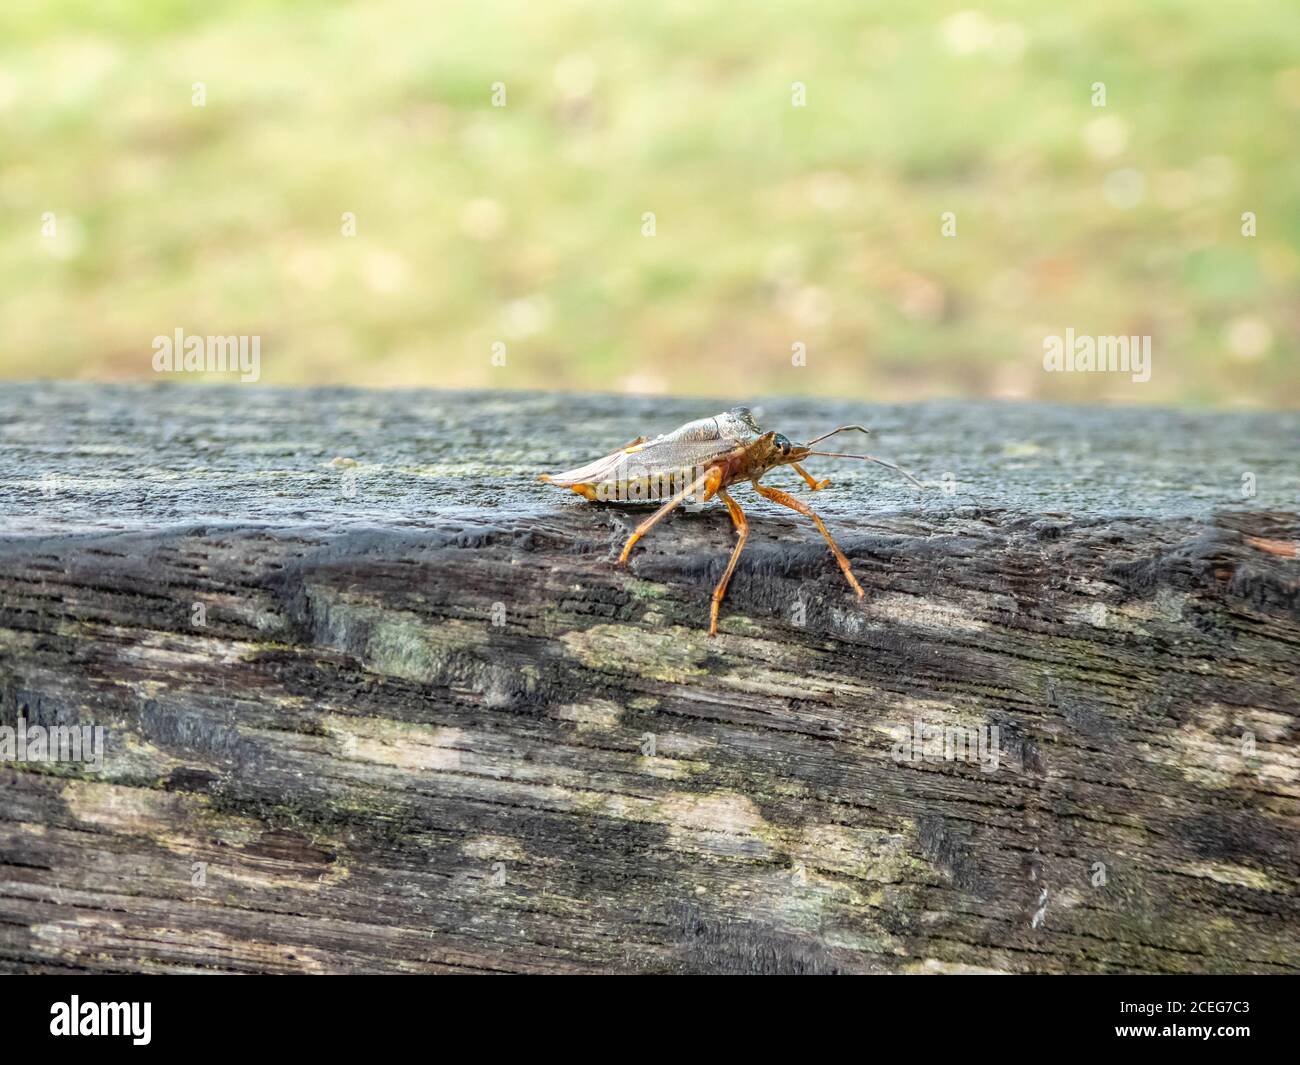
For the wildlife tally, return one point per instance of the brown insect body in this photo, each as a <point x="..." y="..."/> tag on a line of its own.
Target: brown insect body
<point x="701" y="459"/>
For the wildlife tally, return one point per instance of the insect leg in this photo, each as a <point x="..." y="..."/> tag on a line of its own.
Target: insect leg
<point x="742" y="531"/>
<point x="815" y="485"/>
<point x="708" y="481"/>
<point x="787" y="500"/>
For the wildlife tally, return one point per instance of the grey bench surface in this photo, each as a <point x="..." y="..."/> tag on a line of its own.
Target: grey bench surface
<point x="375" y="699"/>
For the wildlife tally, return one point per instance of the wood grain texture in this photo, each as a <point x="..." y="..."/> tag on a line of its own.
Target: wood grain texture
<point x="427" y="725"/>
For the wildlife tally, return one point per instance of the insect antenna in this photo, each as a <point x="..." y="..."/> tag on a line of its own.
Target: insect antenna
<point x="870" y="458"/>
<point x="841" y="429"/>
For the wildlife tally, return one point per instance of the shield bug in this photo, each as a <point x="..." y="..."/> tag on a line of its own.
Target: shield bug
<point x="700" y="460"/>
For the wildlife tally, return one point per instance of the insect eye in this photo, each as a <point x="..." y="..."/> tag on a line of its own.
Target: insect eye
<point x="783" y="442"/>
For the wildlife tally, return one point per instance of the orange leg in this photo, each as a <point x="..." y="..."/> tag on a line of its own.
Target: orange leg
<point x="815" y="485"/>
<point x="709" y="482"/>
<point x="742" y="531"/>
<point x="787" y="500"/>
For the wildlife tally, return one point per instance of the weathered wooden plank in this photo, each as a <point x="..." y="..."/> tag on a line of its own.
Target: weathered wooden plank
<point x="426" y="725"/>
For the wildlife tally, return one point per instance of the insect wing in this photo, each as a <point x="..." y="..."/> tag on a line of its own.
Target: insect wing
<point x="665" y="465"/>
<point x="659" y="456"/>
<point x="662" y="469"/>
<point x="602" y="469"/>
<point x="666" y="455"/>
<point x="736" y="425"/>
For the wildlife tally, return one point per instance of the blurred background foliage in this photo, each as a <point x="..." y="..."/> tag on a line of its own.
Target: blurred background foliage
<point x="773" y="224"/>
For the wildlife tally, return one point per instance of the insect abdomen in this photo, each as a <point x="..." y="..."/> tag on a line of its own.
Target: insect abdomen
<point x="645" y="487"/>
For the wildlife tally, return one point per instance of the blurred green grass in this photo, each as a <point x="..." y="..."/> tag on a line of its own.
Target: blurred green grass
<point x="774" y="224"/>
